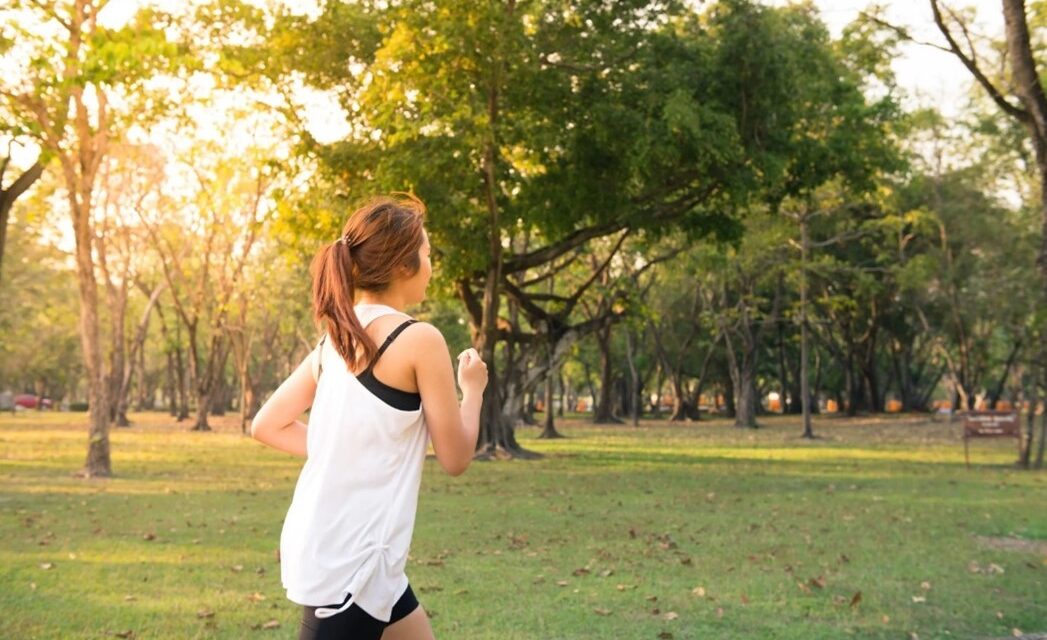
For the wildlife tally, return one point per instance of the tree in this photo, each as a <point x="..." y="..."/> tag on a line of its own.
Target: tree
<point x="64" y="101"/>
<point x="229" y="211"/>
<point x="483" y="92"/>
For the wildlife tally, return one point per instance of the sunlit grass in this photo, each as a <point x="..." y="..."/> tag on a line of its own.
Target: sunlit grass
<point x="698" y="531"/>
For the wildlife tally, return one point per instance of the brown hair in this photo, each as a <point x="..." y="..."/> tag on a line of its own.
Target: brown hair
<point x="378" y="243"/>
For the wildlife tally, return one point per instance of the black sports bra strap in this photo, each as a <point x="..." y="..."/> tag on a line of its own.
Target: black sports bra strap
<point x="389" y="340"/>
<point x="320" y="357"/>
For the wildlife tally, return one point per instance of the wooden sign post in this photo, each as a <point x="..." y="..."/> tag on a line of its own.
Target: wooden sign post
<point x="990" y="424"/>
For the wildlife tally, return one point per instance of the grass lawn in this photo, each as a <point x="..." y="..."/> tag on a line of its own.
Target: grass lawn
<point x="664" y="531"/>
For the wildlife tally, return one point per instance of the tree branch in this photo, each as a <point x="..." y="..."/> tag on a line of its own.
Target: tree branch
<point x="972" y="66"/>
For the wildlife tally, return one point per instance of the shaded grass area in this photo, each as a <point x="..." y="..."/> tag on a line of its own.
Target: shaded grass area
<point x="681" y="531"/>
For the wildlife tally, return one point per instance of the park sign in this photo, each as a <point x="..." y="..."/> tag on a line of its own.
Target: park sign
<point x="990" y="424"/>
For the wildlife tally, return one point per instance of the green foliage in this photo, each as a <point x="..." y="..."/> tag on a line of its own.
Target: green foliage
<point x="39" y="320"/>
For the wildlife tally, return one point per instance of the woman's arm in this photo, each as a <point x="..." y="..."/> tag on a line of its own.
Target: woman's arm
<point x="453" y="427"/>
<point x="276" y="423"/>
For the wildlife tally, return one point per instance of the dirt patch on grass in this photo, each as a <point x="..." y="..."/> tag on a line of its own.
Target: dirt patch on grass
<point x="1015" y="544"/>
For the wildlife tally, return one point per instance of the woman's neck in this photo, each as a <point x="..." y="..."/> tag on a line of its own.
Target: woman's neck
<point x="386" y="298"/>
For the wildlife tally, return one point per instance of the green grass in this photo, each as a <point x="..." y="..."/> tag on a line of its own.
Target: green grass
<point x="612" y="531"/>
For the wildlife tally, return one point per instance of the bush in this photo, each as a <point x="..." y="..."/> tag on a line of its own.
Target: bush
<point x="78" y="406"/>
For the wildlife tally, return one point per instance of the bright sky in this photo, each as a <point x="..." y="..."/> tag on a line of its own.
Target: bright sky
<point x="928" y="75"/>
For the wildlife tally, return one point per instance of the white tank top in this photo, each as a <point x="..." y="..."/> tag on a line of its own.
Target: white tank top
<point x="349" y="526"/>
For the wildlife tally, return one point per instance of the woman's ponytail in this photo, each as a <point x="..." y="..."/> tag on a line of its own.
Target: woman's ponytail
<point x="333" y="300"/>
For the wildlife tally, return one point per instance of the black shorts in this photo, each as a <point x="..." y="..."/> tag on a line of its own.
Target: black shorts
<point x="354" y="623"/>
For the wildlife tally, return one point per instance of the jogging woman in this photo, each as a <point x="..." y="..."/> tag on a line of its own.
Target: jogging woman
<point x="381" y="387"/>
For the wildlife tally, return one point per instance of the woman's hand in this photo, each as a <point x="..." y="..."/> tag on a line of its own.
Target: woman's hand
<point x="472" y="372"/>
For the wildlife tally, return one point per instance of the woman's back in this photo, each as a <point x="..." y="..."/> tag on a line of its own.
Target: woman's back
<point x="350" y="523"/>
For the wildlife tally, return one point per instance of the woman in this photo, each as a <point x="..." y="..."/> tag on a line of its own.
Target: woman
<point x="345" y="539"/>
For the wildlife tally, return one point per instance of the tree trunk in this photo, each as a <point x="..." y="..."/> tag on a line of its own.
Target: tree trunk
<point x="683" y="410"/>
<point x="170" y="384"/>
<point x="97" y="463"/>
<point x="604" y="410"/>
<point x="745" y="415"/>
<point x="245" y="394"/>
<point x="142" y="386"/>
<point x="203" y="407"/>
<point x="634" y="381"/>
<point x="853" y="390"/>
<point x="730" y="407"/>
<point x="805" y="392"/>
<point x="183" y="386"/>
<point x="659" y="382"/>
<point x="549" y="428"/>
<point x="1030" y="424"/>
<point x="997" y="391"/>
<point x="787" y="399"/>
<point x="563" y="393"/>
<point x="1043" y="441"/>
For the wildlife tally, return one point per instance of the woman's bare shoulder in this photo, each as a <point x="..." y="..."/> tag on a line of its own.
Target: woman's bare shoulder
<point x="423" y="333"/>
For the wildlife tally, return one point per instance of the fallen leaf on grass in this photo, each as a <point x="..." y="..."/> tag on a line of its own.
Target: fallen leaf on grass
<point x="994" y="568"/>
<point x="601" y="611"/>
<point x="236" y="568"/>
<point x="803" y="587"/>
<point x="818" y="582"/>
<point x="275" y="624"/>
<point x="671" y="615"/>
<point x="665" y="635"/>
<point x="919" y="599"/>
<point x="698" y="591"/>
<point x="581" y="571"/>
<point x="149" y="536"/>
<point x="205" y="613"/>
<point x="562" y="583"/>
<point x="719" y="612"/>
<point x="130" y="598"/>
<point x="744" y="598"/>
<point x="651" y="598"/>
<point x="1016" y="632"/>
<point x="856" y="599"/>
<point x="925" y="585"/>
<point x="47" y="565"/>
<point x="124" y="634"/>
<point x="256" y="597"/>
